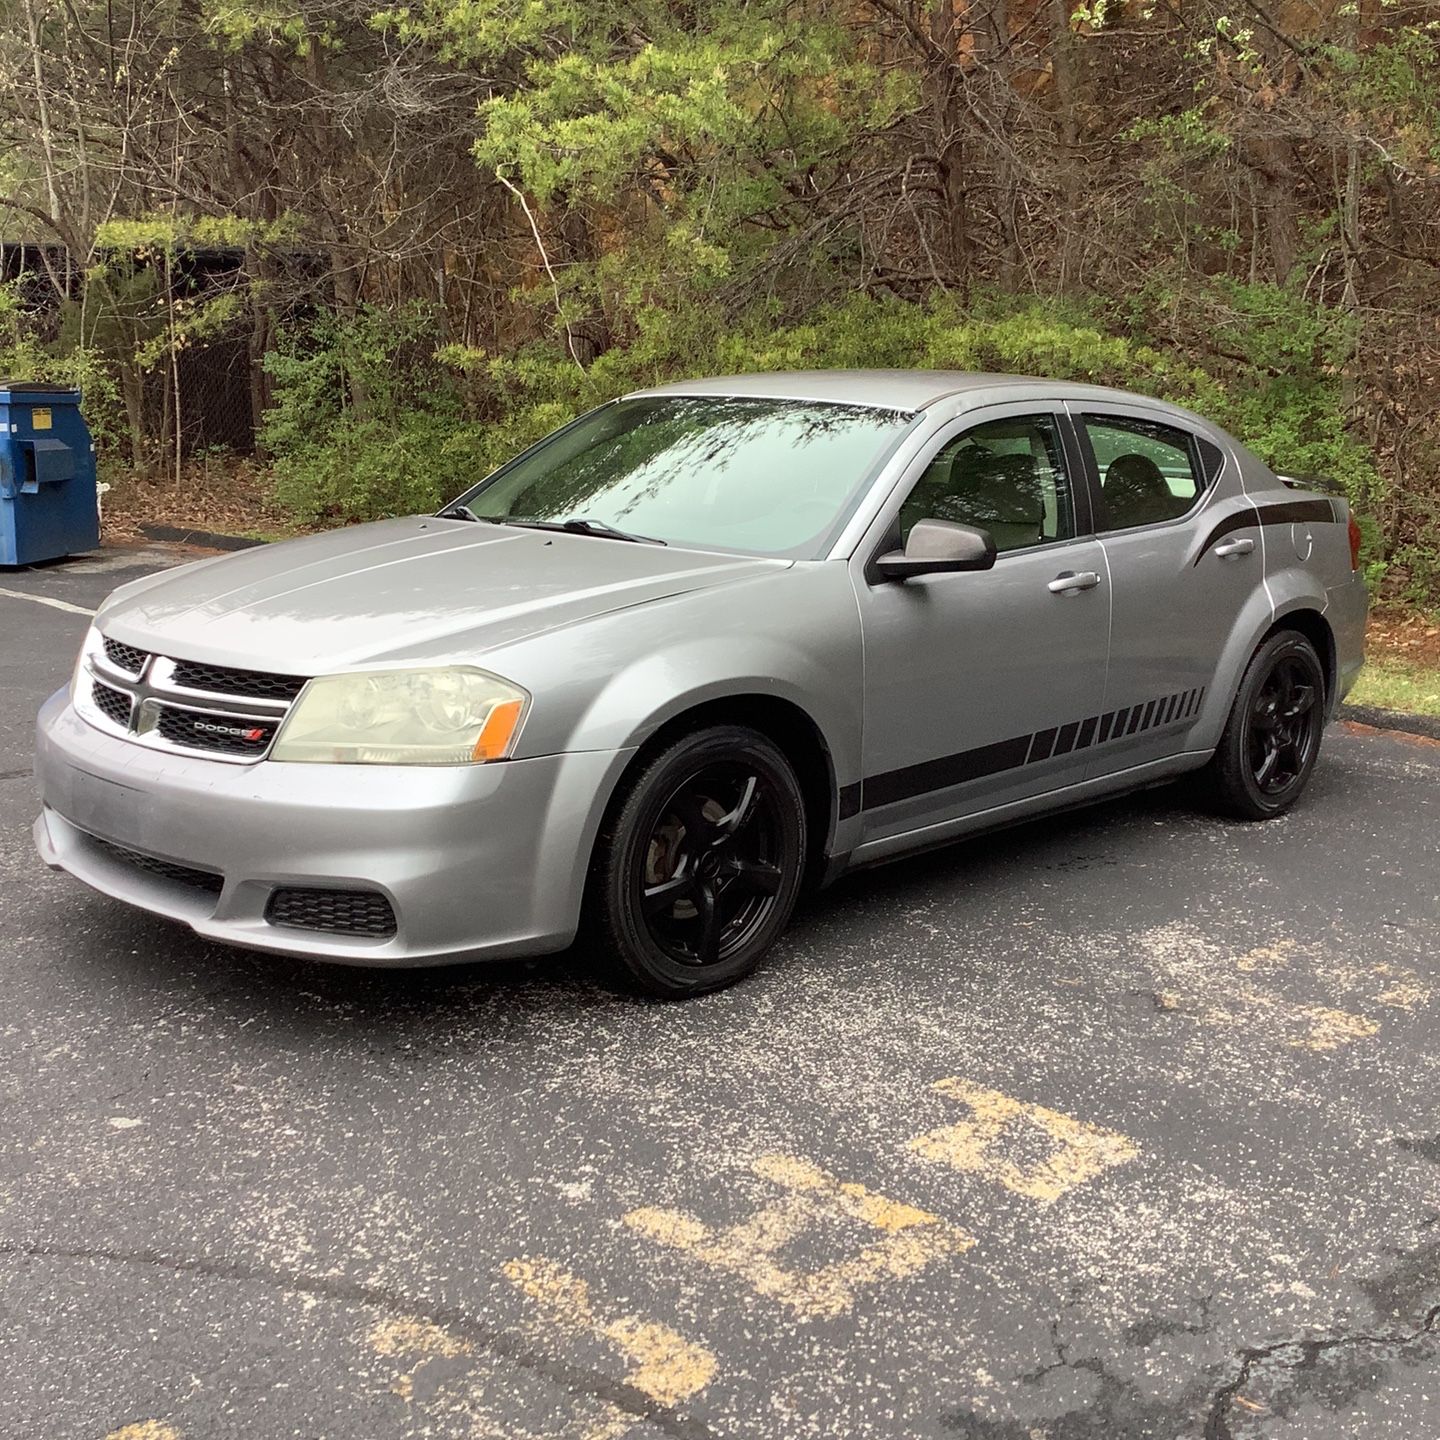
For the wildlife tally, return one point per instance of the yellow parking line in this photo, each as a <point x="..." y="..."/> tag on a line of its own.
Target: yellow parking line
<point x="419" y="1338"/>
<point x="910" y="1239"/>
<point x="664" y="1365"/>
<point x="1204" y="980"/>
<point x="1304" y="1027"/>
<point x="145" y="1430"/>
<point x="1079" y="1150"/>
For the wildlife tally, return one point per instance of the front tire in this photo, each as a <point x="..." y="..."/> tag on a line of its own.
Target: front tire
<point x="698" y="867"/>
<point x="700" y="863"/>
<point x="1272" y="738"/>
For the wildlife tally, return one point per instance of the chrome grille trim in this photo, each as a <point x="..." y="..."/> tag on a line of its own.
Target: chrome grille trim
<point x="159" y="703"/>
<point x="163" y="683"/>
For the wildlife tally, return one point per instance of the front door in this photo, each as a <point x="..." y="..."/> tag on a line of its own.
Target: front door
<point x="984" y="688"/>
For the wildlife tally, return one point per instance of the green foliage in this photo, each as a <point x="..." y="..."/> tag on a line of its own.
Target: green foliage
<point x="1271" y="370"/>
<point x="237" y="23"/>
<point x="25" y="356"/>
<point x="1395" y="80"/>
<point x="435" y="421"/>
<point x="365" y="422"/>
<point x="125" y="238"/>
<point x="1186" y="133"/>
<point x="708" y="127"/>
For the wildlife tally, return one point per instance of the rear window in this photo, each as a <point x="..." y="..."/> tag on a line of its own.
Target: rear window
<point x="1149" y="472"/>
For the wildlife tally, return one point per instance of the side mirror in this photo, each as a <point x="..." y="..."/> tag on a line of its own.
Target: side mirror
<point x="936" y="547"/>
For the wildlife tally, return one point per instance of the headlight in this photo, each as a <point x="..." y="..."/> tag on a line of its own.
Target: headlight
<point x="454" y="716"/>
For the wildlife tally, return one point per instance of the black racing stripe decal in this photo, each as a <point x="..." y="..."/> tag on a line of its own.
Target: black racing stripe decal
<point x="948" y="770"/>
<point x="849" y="800"/>
<point x="1042" y="742"/>
<point x="986" y="760"/>
<point x="1279" y="512"/>
<point x="1298" y="512"/>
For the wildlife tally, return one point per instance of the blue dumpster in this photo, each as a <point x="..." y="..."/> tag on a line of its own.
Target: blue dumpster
<point x="47" y="475"/>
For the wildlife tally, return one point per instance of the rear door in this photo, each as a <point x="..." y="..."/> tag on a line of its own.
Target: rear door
<point x="979" y="686"/>
<point x="1181" y="565"/>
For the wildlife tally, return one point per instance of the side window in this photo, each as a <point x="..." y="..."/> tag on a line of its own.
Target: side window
<point x="1007" y="477"/>
<point x="1148" y="472"/>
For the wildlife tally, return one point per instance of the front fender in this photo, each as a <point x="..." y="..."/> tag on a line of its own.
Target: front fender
<point x="656" y="689"/>
<point x="612" y="683"/>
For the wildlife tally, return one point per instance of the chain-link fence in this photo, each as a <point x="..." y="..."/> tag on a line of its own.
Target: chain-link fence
<point x="162" y="375"/>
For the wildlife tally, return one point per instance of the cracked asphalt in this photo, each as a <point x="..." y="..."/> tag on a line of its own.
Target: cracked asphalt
<point x="1118" y="1125"/>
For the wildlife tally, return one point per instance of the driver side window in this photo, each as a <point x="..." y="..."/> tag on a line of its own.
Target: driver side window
<point x="1006" y="476"/>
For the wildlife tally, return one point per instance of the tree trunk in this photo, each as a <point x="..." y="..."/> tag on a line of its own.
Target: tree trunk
<point x="943" y="76"/>
<point x="590" y="336"/>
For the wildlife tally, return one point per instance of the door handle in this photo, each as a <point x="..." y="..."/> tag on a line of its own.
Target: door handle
<point x="1230" y="548"/>
<point x="1070" y="583"/>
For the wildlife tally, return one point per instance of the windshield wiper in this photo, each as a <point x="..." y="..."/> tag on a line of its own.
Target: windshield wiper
<point x="576" y="525"/>
<point x="457" y="511"/>
<point x="580" y="525"/>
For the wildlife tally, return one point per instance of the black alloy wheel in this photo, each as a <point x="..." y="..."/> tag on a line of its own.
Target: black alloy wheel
<point x="1280" y="734"/>
<point x="1272" y="738"/>
<point x="698" y="870"/>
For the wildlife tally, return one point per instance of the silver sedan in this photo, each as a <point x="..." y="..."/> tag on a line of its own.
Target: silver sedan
<point x="705" y="645"/>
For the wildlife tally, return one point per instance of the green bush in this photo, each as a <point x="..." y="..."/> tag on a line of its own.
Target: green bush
<point x="433" y="421"/>
<point x="25" y="356"/>
<point x="365" y="422"/>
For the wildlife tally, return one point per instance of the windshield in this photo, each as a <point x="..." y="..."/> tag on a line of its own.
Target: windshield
<point x="761" y="476"/>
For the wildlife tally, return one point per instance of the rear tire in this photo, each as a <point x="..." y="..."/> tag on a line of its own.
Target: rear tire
<point x="1272" y="738"/>
<point x="699" y="864"/>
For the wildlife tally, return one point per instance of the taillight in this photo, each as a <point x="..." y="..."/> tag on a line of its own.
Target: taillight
<point x="1354" y="542"/>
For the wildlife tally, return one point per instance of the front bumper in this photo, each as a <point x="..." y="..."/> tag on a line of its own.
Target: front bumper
<point x="477" y="862"/>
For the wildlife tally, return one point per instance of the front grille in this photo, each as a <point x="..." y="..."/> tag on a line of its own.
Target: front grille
<point x="125" y="657"/>
<point x="339" y="912"/>
<point x="114" y="705"/>
<point x="223" y="680"/>
<point x="158" y="700"/>
<point x="205" y="880"/>
<point x="223" y="734"/>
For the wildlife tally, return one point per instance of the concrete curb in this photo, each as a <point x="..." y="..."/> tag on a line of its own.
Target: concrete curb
<point x="211" y="539"/>
<point x="1426" y="725"/>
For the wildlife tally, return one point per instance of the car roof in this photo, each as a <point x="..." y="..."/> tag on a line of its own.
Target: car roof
<point x="890" y="389"/>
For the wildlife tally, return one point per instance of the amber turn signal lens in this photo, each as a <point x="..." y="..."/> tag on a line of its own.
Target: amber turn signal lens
<point x="498" y="730"/>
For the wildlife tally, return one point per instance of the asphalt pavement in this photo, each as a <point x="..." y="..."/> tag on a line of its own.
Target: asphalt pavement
<point x="1117" y="1125"/>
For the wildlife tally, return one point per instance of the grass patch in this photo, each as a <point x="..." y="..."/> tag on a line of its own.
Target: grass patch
<point x="1389" y="684"/>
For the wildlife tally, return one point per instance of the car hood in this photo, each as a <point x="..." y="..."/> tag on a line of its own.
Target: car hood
<point x="400" y="589"/>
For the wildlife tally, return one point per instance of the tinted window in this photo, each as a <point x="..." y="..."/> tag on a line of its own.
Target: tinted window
<point x="1148" y="472"/>
<point x="1007" y="477"/>
<point x="771" y="477"/>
